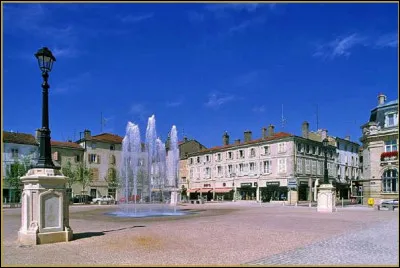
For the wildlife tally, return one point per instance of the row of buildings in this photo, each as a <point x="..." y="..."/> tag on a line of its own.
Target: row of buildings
<point x="275" y="167"/>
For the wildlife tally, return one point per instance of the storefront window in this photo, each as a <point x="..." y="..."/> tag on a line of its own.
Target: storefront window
<point x="390" y="181"/>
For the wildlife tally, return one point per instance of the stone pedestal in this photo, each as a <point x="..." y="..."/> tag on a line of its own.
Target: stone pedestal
<point x="326" y="198"/>
<point x="45" y="208"/>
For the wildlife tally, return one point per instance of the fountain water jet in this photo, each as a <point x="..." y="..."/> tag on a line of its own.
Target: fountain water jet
<point x="149" y="174"/>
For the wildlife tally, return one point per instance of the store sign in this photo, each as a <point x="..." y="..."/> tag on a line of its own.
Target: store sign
<point x="304" y="183"/>
<point x="247" y="184"/>
<point x="273" y="183"/>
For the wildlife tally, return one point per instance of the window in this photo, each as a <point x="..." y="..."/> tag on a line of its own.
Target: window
<point x="191" y="173"/>
<point x="77" y="158"/>
<point x="230" y="169"/>
<point x="313" y="150"/>
<point x="112" y="159"/>
<point x="390" y="146"/>
<point x="307" y="148"/>
<point x="241" y="153"/>
<point x="308" y="168"/>
<point x="198" y="159"/>
<point x="229" y="155"/>
<point x="219" y="170"/>
<point x="299" y="147"/>
<point x="281" y="147"/>
<point x="267" y="167"/>
<point x="299" y="165"/>
<point x="14" y="153"/>
<point x="317" y="150"/>
<point x="391" y="120"/>
<point x="191" y="161"/>
<point x="252" y="152"/>
<point x="207" y="158"/>
<point x="282" y="165"/>
<point x="94" y="158"/>
<point x="319" y="167"/>
<point x="219" y="157"/>
<point x="207" y="171"/>
<point x="266" y="149"/>
<point x="314" y="167"/>
<point x="390" y="181"/>
<point x="252" y="166"/>
<point x="241" y="167"/>
<point x="112" y="147"/>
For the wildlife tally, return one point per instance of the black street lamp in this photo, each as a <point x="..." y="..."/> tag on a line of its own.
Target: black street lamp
<point x="325" y="143"/>
<point x="45" y="59"/>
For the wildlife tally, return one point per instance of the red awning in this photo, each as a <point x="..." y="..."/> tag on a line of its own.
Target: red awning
<point x="205" y="190"/>
<point x="193" y="190"/>
<point x="222" y="190"/>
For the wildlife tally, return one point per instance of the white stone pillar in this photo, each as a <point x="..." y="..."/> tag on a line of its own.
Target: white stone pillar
<point x="45" y="208"/>
<point x="326" y="198"/>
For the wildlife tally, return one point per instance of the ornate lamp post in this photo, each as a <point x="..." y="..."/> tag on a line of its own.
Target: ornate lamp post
<point x="325" y="143"/>
<point x="45" y="59"/>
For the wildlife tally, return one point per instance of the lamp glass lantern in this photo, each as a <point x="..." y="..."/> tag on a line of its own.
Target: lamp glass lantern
<point x="45" y="59"/>
<point x="325" y="142"/>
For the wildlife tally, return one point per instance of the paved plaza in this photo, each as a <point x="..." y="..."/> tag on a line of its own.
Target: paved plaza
<point x="217" y="234"/>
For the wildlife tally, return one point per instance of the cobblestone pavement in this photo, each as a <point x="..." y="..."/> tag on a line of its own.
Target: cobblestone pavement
<point x="377" y="245"/>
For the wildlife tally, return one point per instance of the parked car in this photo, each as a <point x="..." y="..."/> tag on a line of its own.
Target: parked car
<point x="104" y="198"/>
<point x="86" y="199"/>
<point x="392" y="203"/>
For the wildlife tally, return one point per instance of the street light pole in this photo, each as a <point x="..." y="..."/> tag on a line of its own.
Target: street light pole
<point x="45" y="59"/>
<point x="325" y="145"/>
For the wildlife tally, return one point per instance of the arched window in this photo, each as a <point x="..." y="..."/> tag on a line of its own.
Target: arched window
<point x="390" y="181"/>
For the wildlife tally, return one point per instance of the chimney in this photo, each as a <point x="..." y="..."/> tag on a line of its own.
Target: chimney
<point x="347" y="138"/>
<point x="381" y="99"/>
<point x="305" y="129"/>
<point x="237" y="141"/>
<point x="264" y="132"/>
<point x="324" y="134"/>
<point x="225" y="138"/>
<point x="271" y="130"/>
<point x="247" y="136"/>
<point x="185" y="139"/>
<point x="87" y="134"/>
<point x="37" y="135"/>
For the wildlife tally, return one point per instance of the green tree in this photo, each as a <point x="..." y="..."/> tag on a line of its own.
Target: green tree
<point x="68" y="171"/>
<point x="113" y="180"/>
<point x="183" y="192"/>
<point x="13" y="176"/>
<point x="83" y="175"/>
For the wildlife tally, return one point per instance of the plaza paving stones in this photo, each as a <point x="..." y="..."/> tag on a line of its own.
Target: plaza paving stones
<point x="218" y="234"/>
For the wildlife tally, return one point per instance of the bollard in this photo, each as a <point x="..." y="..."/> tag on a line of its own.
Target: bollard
<point x="342" y="202"/>
<point x="295" y="204"/>
<point x="309" y="205"/>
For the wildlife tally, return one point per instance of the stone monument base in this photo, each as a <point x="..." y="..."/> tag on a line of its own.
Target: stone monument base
<point x="44" y="209"/>
<point x="326" y="198"/>
<point x="34" y="238"/>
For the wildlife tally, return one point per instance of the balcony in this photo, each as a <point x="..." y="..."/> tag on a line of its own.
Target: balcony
<point x="389" y="157"/>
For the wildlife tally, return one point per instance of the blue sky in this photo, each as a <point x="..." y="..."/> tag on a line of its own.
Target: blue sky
<point x="207" y="68"/>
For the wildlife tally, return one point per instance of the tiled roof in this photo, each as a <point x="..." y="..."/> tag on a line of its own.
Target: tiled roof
<point x="278" y="135"/>
<point x="66" y="144"/>
<point x="108" y="138"/>
<point x="19" y="138"/>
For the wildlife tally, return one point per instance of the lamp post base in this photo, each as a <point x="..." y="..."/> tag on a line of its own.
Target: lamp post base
<point x="326" y="198"/>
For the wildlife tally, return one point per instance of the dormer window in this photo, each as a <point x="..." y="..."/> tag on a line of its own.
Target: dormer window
<point x="391" y="120"/>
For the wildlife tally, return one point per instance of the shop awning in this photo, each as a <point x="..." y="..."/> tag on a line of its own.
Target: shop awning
<point x="193" y="190"/>
<point x="222" y="190"/>
<point x="204" y="190"/>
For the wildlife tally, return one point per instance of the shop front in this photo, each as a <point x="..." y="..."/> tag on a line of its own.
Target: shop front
<point x="273" y="191"/>
<point x="247" y="191"/>
<point x="303" y="191"/>
<point x="222" y="194"/>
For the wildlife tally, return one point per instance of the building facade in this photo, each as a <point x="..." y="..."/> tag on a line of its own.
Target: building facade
<point x="17" y="147"/>
<point x="264" y="169"/>
<point x="102" y="154"/>
<point x="380" y="140"/>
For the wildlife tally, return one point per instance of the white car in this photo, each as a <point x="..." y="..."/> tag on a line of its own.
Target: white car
<point x="104" y="198"/>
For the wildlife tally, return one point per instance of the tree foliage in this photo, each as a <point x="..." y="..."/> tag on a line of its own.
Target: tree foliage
<point x="83" y="175"/>
<point x="69" y="172"/>
<point x="15" y="171"/>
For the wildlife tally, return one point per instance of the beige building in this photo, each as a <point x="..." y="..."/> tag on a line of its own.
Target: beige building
<point x="263" y="169"/>
<point x="102" y="155"/>
<point x="380" y="152"/>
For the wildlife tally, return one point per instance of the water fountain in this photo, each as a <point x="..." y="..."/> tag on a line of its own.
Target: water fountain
<point x="148" y="174"/>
